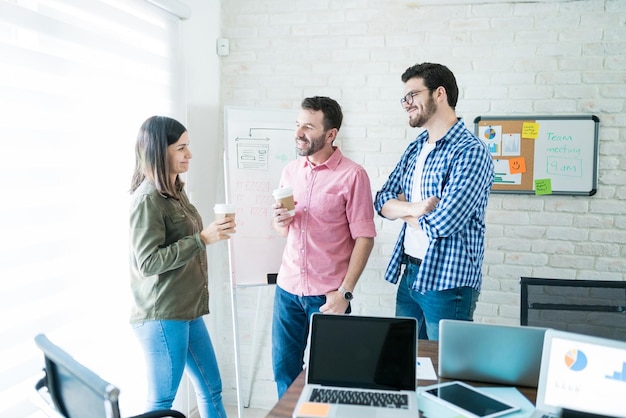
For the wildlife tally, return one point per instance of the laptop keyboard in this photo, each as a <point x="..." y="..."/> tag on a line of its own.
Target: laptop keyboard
<point x="353" y="397"/>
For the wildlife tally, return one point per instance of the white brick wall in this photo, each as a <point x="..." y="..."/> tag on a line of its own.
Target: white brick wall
<point x="557" y="57"/>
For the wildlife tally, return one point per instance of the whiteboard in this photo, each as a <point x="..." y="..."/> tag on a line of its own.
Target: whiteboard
<point x="258" y="144"/>
<point x="542" y="154"/>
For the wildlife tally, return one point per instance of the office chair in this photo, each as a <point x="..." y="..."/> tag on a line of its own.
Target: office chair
<point x="591" y="307"/>
<point x="74" y="391"/>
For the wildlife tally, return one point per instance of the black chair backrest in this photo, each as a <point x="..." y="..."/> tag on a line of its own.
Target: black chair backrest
<point x="591" y="307"/>
<point x="77" y="392"/>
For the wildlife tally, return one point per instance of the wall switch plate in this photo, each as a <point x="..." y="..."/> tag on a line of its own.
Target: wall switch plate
<point x="222" y="47"/>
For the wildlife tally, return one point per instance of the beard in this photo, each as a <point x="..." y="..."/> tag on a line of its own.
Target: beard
<point x="313" y="145"/>
<point x="419" y="120"/>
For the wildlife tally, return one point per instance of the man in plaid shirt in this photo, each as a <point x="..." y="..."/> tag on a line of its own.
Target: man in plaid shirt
<point x="439" y="188"/>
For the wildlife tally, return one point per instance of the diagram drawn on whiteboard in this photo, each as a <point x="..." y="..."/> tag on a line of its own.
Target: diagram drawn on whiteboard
<point x="252" y="153"/>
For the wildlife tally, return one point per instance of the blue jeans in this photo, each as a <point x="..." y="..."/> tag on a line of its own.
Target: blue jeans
<point x="290" y="330"/>
<point x="431" y="307"/>
<point x="172" y="346"/>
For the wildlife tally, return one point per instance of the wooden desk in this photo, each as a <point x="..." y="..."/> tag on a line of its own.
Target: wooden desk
<point x="285" y="406"/>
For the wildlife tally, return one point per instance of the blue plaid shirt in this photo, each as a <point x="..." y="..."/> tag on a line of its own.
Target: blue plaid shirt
<point x="459" y="171"/>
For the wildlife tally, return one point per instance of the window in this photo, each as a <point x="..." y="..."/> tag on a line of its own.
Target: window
<point x="77" y="78"/>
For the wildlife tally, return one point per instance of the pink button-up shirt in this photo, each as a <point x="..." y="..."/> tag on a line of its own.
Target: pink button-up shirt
<point x="334" y="207"/>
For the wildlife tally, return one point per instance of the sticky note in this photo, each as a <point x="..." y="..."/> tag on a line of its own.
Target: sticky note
<point x="530" y="130"/>
<point x="543" y="186"/>
<point x="517" y="165"/>
<point x="314" y="410"/>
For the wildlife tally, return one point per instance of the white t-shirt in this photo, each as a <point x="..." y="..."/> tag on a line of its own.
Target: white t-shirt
<point x="416" y="240"/>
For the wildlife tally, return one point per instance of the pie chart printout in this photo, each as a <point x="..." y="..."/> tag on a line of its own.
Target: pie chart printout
<point x="489" y="133"/>
<point x="575" y="360"/>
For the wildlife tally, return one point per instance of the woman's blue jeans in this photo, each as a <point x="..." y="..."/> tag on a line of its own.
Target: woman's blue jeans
<point x="432" y="306"/>
<point x="172" y="346"/>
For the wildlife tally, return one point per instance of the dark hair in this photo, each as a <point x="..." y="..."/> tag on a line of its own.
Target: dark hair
<point x="155" y="135"/>
<point x="333" y="116"/>
<point x="434" y="75"/>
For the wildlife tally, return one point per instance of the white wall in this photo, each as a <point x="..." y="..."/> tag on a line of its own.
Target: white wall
<point x="557" y="57"/>
<point x="205" y="178"/>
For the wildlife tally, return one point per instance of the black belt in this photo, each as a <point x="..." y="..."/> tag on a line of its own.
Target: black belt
<point x="412" y="260"/>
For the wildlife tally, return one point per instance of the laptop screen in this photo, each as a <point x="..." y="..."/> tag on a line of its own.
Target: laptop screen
<point x="587" y="375"/>
<point x="363" y="352"/>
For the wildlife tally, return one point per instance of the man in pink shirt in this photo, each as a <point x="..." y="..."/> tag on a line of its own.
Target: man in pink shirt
<point x="329" y="239"/>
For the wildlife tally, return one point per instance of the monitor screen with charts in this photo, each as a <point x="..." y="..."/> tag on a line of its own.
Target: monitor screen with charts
<point x="582" y="373"/>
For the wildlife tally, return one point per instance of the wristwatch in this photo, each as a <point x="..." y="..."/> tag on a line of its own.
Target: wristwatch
<point x="347" y="295"/>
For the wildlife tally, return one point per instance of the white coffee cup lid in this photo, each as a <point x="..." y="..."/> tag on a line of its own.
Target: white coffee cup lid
<point x="224" y="208"/>
<point x="282" y="192"/>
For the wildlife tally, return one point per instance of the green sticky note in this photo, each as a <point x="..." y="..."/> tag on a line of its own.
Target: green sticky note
<point x="543" y="186"/>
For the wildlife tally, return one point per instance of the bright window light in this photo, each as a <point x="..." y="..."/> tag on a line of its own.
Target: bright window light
<point x="77" y="79"/>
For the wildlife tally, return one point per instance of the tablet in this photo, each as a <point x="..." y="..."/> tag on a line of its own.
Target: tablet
<point x="467" y="400"/>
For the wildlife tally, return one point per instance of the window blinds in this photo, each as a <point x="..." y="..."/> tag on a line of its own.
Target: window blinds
<point x="77" y="78"/>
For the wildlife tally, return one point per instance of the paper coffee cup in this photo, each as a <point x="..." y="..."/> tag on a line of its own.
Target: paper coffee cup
<point x="223" y="210"/>
<point x="284" y="195"/>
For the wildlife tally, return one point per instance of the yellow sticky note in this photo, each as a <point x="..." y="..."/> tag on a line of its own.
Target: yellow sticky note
<point x="530" y="130"/>
<point x="543" y="186"/>
<point x="314" y="410"/>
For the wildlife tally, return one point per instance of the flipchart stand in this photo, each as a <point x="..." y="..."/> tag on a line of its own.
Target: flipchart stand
<point x="241" y="404"/>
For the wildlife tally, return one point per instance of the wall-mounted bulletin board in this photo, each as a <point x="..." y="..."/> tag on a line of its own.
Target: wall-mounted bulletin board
<point x="542" y="154"/>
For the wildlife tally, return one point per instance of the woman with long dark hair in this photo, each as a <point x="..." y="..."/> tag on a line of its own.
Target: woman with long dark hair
<point x="168" y="270"/>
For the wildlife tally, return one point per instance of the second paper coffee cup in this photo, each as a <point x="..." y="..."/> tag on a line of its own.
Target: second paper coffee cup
<point x="223" y="210"/>
<point x="284" y="195"/>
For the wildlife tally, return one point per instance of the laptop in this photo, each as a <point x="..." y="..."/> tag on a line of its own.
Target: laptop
<point x="504" y="354"/>
<point x="360" y="366"/>
<point x="581" y="373"/>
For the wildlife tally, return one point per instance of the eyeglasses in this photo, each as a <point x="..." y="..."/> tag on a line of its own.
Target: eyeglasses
<point x="408" y="99"/>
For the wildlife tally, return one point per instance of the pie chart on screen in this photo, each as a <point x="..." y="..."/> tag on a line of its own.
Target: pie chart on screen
<point x="575" y="360"/>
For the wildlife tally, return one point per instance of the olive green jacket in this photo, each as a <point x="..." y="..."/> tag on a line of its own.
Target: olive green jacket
<point x="168" y="261"/>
